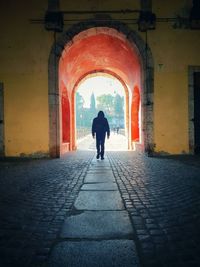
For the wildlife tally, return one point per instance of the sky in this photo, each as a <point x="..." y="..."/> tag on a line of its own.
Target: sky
<point x="99" y="85"/>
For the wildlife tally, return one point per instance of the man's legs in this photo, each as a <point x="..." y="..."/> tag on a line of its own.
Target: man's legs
<point x="102" y="146"/>
<point x="98" y="141"/>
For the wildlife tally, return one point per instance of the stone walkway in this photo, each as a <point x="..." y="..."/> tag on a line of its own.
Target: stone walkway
<point x="128" y="210"/>
<point x="97" y="231"/>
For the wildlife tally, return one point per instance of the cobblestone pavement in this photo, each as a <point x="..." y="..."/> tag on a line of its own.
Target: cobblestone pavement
<point x="161" y="195"/>
<point x="34" y="198"/>
<point x="163" y="198"/>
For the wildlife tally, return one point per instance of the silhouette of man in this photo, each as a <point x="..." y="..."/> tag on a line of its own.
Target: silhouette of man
<point x="100" y="127"/>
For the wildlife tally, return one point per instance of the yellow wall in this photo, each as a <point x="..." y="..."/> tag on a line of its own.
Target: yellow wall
<point x="24" y="52"/>
<point x="173" y="51"/>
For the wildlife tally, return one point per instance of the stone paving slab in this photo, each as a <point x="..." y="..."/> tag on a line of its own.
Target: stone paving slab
<point x="100" y="186"/>
<point x="100" y="164"/>
<point x="112" y="253"/>
<point x="99" y="200"/>
<point x="100" y="172"/>
<point x="98" y="224"/>
<point x="102" y="177"/>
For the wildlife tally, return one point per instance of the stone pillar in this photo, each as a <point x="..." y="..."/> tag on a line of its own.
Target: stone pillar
<point x="54" y="106"/>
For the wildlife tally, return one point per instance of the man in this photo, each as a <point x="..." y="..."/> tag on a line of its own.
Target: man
<point x="100" y="127"/>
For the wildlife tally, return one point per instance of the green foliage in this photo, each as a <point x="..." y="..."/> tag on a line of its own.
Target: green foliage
<point x="92" y="103"/>
<point x="105" y="103"/>
<point x="79" y="102"/>
<point x="111" y="105"/>
<point x="79" y="108"/>
<point x="118" y="105"/>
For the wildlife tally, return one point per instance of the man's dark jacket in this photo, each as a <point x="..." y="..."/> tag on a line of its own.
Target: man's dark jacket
<point x="100" y="125"/>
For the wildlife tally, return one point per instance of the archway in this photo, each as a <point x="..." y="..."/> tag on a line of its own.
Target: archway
<point x="116" y="108"/>
<point x="105" y="48"/>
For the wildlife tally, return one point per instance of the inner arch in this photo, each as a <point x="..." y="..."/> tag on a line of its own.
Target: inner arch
<point x="116" y="87"/>
<point x="97" y="50"/>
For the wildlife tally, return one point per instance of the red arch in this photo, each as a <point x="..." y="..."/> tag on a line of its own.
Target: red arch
<point x="99" y="50"/>
<point x="126" y="90"/>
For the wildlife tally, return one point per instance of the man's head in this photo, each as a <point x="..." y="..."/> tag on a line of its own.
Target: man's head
<point x="100" y="114"/>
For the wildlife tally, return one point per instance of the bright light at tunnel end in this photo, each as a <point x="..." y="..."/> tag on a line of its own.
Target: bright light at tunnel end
<point x="100" y="84"/>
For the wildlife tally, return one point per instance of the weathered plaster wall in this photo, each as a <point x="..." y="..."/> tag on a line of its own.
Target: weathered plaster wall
<point x="173" y="50"/>
<point x="24" y="51"/>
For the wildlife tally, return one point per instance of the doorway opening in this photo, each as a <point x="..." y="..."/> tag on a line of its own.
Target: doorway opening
<point x="194" y="110"/>
<point x="2" y="147"/>
<point x="102" y="91"/>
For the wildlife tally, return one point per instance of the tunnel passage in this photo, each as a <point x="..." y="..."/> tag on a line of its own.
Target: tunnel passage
<point x="91" y="90"/>
<point x="98" y="50"/>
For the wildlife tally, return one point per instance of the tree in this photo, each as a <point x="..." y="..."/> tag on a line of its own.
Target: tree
<point x="79" y="109"/>
<point x="79" y="101"/>
<point x="118" y="105"/>
<point x="113" y="106"/>
<point x="105" y="103"/>
<point x="92" y="103"/>
<point x="119" y="110"/>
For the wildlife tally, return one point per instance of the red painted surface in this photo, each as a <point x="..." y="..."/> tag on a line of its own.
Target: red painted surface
<point x="135" y="114"/>
<point x="65" y="116"/>
<point x="101" y="52"/>
<point x="99" y="49"/>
